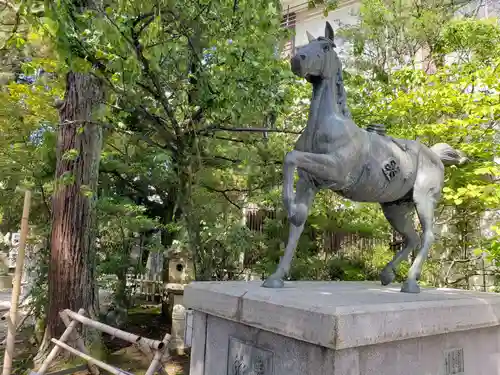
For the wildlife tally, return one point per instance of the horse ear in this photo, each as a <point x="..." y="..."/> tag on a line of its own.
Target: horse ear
<point x="310" y="38"/>
<point x="329" y="31"/>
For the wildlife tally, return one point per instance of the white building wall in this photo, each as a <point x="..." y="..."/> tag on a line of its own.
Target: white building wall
<point x="314" y="21"/>
<point x="481" y="9"/>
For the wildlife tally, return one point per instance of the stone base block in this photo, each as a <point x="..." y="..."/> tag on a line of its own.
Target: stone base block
<point x="341" y="328"/>
<point x="176" y="292"/>
<point x="6" y="282"/>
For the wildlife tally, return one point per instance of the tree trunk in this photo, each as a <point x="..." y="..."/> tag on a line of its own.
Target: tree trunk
<point x="71" y="276"/>
<point x="172" y="212"/>
<point x="121" y="295"/>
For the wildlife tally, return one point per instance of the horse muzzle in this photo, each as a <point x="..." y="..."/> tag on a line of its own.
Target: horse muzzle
<point x="296" y="65"/>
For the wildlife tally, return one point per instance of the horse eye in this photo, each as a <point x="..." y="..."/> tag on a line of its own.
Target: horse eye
<point x="326" y="48"/>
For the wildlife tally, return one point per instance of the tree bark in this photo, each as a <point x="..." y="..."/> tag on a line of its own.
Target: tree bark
<point x="72" y="261"/>
<point x="171" y="214"/>
<point x="121" y="295"/>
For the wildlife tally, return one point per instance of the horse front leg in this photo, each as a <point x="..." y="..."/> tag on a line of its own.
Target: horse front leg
<point x="298" y="205"/>
<point x="297" y="216"/>
<point x="288" y="177"/>
<point x="326" y="167"/>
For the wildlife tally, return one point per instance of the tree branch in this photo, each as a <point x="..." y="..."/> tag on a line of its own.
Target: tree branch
<point x="44" y="199"/>
<point x="216" y="128"/>
<point x="226" y="139"/>
<point x="158" y="95"/>
<point x="146" y="24"/>
<point x="231" y="160"/>
<point x="234" y="190"/>
<point x="224" y="193"/>
<point x="134" y="42"/>
<point x="159" y="90"/>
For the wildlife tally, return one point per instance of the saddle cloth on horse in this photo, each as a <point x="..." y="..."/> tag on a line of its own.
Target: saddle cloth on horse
<point x="388" y="171"/>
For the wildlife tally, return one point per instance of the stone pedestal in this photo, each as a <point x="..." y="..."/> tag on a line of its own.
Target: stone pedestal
<point x="341" y="328"/>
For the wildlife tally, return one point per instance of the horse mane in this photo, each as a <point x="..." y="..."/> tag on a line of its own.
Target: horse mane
<point x="341" y="93"/>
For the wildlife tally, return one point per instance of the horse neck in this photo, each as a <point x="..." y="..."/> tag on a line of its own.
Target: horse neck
<point x="324" y="93"/>
<point x="325" y="100"/>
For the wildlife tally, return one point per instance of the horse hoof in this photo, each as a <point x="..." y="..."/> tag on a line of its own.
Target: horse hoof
<point x="410" y="286"/>
<point x="273" y="283"/>
<point x="387" y="276"/>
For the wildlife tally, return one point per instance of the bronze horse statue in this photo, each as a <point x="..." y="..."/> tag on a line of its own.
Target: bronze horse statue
<point x="362" y="165"/>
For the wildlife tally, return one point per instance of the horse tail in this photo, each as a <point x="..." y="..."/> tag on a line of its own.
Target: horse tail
<point x="449" y="155"/>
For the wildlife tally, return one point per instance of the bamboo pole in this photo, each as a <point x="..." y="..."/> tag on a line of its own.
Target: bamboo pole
<point x="55" y="350"/>
<point x="80" y="344"/>
<point x="144" y="348"/>
<point x="69" y="371"/>
<point x="156" y="363"/>
<point x="115" y="332"/>
<point x="9" y="350"/>
<point x="104" y="366"/>
<point x="74" y="334"/>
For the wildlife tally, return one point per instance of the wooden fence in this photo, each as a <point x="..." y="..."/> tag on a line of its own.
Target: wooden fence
<point x="333" y="242"/>
<point x="151" y="289"/>
<point x="340" y="243"/>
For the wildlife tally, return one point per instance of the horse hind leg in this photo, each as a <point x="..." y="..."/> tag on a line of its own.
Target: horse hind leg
<point x="426" y="194"/>
<point x="399" y="215"/>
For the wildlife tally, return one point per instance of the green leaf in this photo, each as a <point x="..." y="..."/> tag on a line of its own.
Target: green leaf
<point x="71" y="154"/>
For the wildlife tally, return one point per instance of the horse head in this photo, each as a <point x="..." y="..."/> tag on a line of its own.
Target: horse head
<point x="318" y="59"/>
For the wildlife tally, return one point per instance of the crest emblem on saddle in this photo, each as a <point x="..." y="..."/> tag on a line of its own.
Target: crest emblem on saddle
<point x="391" y="169"/>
